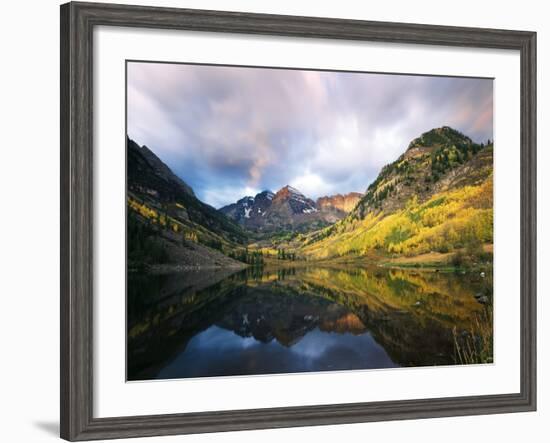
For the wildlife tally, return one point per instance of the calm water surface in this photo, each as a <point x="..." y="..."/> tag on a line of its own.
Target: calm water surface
<point x="212" y="323"/>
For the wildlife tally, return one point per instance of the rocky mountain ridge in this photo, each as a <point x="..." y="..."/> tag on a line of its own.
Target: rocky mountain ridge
<point x="289" y="209"/>
<point x="438" y="160"/>
<point x="345" y="202"/>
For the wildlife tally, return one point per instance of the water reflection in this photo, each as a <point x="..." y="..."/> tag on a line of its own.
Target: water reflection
<point x="212" y="323"/>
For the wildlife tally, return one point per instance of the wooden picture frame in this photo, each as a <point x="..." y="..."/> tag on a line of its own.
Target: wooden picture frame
<point x="77" y="23"/>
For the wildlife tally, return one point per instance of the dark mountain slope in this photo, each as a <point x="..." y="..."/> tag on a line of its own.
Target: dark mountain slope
<point x="168" y="226"/>
<point x="150" y="179"/>
<point x="249" y="210"/>
<point x="144" y="165"/>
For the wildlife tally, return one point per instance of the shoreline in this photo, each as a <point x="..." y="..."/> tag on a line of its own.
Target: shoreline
<point x="429" y="262"/>
<point x="173" y="268"/>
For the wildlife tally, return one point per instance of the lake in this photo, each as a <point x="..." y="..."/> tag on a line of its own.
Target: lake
<point x="315" y="318"/>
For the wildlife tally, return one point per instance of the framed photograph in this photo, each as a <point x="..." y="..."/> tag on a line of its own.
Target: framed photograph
<point x="272" y="221"/>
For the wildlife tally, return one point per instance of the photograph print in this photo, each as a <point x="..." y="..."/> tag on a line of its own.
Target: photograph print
<point x="293" y="221"/>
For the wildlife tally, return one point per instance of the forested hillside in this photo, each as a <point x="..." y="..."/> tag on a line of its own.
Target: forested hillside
<point x="167" y="224"/>
<point x="435" y="198"/>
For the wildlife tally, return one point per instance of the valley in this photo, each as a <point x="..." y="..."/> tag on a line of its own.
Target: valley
<point x="398" y="275"/>
<point x="430" y="208"/>
<point x="287" y="220"/>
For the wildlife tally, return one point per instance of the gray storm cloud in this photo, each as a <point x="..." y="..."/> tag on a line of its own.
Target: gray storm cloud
<point x="234" y="131"/>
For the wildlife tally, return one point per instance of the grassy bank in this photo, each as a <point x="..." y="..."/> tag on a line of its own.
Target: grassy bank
<point x="461" y="259"/>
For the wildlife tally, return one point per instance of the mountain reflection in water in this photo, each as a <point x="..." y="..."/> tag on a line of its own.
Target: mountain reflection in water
<point x="216" y="323"/>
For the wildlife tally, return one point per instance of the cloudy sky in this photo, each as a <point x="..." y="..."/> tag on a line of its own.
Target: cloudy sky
<point x="230" y="131"/>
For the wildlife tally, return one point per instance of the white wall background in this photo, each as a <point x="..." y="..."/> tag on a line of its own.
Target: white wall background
<point x="29" y="220"/>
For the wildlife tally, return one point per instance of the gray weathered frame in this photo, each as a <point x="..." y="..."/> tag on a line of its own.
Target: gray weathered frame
<point x="77" y="23"/>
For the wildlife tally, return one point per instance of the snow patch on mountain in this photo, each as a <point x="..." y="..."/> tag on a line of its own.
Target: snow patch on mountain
<point x="309" y="210"/>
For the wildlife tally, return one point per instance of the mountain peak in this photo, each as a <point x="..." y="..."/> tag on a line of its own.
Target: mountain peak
<point x="265" y="194"/>
<point x="444" y="135"/>
<point x="439" y="159"/>
<point x="160" y="169"/>
<point x="246" y="199"/>
<point x="289" y="210"/>
<point x="288" y="191"/>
